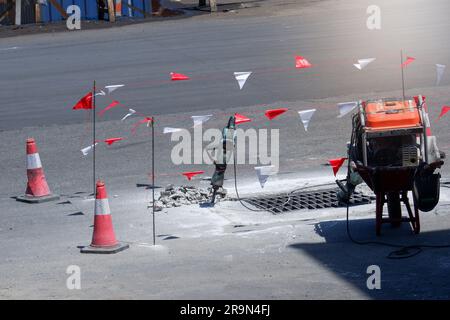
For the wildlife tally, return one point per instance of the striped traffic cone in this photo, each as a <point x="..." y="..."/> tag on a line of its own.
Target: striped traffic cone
<point x="37" y="187"/>
<point x="103" y="239"/>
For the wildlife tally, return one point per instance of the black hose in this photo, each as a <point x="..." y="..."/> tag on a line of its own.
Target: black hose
<point x="404" y="250"/>
<point x="239" y="198"/>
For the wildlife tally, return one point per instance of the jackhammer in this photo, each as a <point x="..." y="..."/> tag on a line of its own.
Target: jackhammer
<point x="223" y="156"/>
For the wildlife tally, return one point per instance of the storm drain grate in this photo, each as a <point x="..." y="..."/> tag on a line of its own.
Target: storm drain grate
<point x="317" y="199"/>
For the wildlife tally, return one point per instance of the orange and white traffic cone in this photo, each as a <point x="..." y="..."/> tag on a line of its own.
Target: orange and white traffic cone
<point x="103" y="239"/>
<point x="37" y="187"/>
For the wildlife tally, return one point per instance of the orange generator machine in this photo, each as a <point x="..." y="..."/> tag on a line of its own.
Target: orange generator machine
<point x="393" y="151"/>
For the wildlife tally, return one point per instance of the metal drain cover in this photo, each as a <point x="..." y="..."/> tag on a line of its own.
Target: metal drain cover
<point x="317" y="199"/>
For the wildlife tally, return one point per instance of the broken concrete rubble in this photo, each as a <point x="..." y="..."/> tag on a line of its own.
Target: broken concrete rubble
<point x="184" y="195"/>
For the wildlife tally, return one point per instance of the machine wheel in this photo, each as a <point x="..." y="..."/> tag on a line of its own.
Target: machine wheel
<point x="394" y="208"/>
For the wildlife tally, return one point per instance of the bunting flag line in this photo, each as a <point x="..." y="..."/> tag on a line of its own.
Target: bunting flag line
<point x="444" y="110"/>
<point x="86" y="150"/>
<point x="129" y="114"/>
<point x="346" y="107"/>
<point x="336" y="164"/>
<point x="408" y="61"/>
<point x="272" y="114"/>
<point x="199" y="120"/>
<point x="135" y="126"/>
<point x="301" y="63"/>
<point x="362" y="63"/>
<point x="110" y="141"/>
<point x="305" y="117"/>
<point x="171" y="130"/>
<point x="440" y="68"/>
<point x="241" y="78"/>
<point x="112" y="88"/>
<point x="239" y="118"/>
<point x="191" y="174"/>
<point x="84" y="103"/>
<point x="112" y="105"/>
<point x="263" y="174"/>
<point x="178" y="76"/>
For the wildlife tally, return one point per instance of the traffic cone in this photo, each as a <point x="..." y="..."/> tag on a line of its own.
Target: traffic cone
<point x="37" y="187"/>
<point x="103" y="239"/>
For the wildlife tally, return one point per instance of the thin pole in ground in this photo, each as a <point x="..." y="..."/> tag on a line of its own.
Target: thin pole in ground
<point x="153" y="179"/>
<point x="403" y="76"/>
<point x="93" y="140"/>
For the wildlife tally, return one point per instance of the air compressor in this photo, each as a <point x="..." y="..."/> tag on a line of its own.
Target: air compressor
<point x="393" y="151"/>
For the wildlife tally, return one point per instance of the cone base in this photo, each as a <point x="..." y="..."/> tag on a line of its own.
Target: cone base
<point x="105" y="250"/>
<point x="31" y="199"/>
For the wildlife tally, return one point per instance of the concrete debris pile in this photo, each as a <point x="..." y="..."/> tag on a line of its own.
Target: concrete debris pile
<point x="184" y="195"/>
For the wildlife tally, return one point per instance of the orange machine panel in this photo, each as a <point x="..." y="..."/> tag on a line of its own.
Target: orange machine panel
<point x="393" y="114"/>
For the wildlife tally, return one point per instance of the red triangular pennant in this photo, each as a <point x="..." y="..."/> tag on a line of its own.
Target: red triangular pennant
<point x="179" y="76"/>
<point x="301" y="62"/>
<point x="336" y="164"/>
<point x="191" y="174"/>
<point x="272" y="114"/>
<point x="112" y="105"/>
<point x="239" y="118"/>
<point x="444" y="110"/>
<point x="84" y="103"/>
<point x="110" y="141"/>
<point x="408" y="61"/>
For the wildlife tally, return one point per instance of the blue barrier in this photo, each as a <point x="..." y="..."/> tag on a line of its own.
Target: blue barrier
<point x="89" y="9"/>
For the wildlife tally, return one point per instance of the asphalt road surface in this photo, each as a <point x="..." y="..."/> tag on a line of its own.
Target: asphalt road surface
<point x="42" y="76"/>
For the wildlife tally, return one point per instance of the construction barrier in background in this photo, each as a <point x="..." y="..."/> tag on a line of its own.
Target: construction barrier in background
<point x="45" y="11"/>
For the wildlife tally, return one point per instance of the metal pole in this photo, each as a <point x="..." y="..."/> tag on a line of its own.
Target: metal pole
<point x="153" y="178"/>
<point x="93" y="141"/>
<point x="403" y="77"/>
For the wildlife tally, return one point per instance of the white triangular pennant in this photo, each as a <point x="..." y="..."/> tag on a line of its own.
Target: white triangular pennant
<point x="112" y="88"/>
<point x="199" y="120"/>
<point x="362" y="63"/>
<point x="132" y="111"/>
<point x="101" y="93"/>
<point x="263" y="174"/>
<point x="440" y="68"/>
<point x="171" y="130"/>
<point x="86" y="150"/>
<point x="306" y="116"/>
<point x="241" y="78"/>
<point x="346" y="107"/>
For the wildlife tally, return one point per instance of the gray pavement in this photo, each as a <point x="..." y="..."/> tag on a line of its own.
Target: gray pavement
<point x="224" y="252"/>
<point x="42" y="76"/>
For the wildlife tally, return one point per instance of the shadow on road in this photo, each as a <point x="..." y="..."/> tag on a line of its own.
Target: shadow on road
<point x="424" y="276"/>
